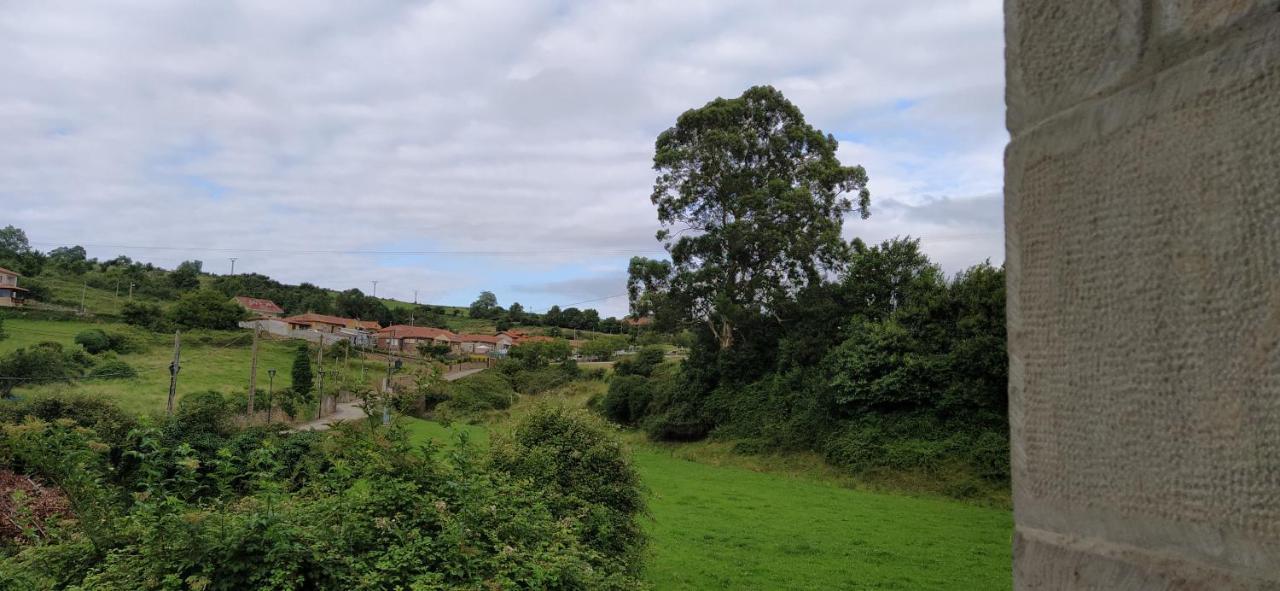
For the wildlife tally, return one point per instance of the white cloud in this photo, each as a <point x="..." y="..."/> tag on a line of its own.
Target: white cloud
<point x="464" y="125"/>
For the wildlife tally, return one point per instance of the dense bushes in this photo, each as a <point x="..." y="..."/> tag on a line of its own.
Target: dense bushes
<point x="477" y="393"/>
<point x="113" y="369"/>
<point x="41" y="363"/>
<point x="96" y="340"/>
<point x="627" y="400"/>
<point x="148" y="316"/>
<point x="892" y="368"/>
<point x="583" y="473"/>
<point x="195" y="503"/>
<point x="640" y="364"/>
<point x="206" y="308"/>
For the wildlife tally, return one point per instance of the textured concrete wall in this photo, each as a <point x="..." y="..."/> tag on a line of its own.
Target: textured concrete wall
<point x="1143" y="243"/>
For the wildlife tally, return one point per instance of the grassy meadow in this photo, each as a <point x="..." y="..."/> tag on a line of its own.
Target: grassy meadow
<point x="211" y="360"/>
<point x="740" y="526"/>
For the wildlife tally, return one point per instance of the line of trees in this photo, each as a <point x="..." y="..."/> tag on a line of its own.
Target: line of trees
<point x="486" y="306"/>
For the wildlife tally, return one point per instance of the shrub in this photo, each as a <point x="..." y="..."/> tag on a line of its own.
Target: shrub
<point x="206" y="308"/>
<point x="113" y="369"/>
<point x="105" y="418"/>
<point x="149" y="316"/>
<point x="584" y="474"/>
<point x="627" y="400"/>
<point x="640" y="364"/>
<point x="44" y="362"/>
<point x="477" y="393"/>
<point x="93" y="340"/>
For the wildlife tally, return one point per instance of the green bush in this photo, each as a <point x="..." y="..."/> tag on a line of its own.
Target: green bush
<point x="93" y="340"/>
<point x="627" y="400"/>
<point x="113" y="369"/>
<point x="148" y="316"/>
<point x="41" y="363"/>
<point x="353" y="508"/>
<point x="206" y="308"/>
<point x="640" y="364"/>
<point x="481" y="392"/>
<point x="584" y="474"/>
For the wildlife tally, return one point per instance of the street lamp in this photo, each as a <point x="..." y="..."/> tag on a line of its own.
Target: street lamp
<point x="271" y="382"/>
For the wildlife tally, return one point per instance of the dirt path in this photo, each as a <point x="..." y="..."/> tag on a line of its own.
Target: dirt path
<point x="350" y="411"/>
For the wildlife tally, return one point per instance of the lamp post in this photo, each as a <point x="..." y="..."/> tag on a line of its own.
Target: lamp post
<point x="271" y="382"/>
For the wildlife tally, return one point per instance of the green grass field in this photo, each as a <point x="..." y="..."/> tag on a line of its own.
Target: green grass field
<point x="210" y="361"/>
<point x="727" y="527"/>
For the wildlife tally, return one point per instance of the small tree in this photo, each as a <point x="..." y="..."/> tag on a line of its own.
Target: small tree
<point x="484" y="305"/>
<point x="302" y="372"/>
<point x="206" y="309"/>
<point x="142" y="314"/>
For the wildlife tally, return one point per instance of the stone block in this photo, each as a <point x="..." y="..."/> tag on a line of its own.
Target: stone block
<point x="1059" y="53"/>
<point x="1143" y="230"/>
<point x="1189" y="19"/>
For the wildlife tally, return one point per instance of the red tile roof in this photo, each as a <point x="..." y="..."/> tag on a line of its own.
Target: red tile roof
<point x="259" y="305"/>
<point x="404" y="331"/>
<point x="310" y="318"/>
<point x="478" y="338"/>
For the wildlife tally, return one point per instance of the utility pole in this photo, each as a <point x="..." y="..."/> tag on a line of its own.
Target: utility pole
<point x="117" y="288"/>
<point x="233" y="265"/>
<point x="320" y="383"/>
<point x="386" y="393"/>
<point x="271" y="386"/>
<point x="375" y="289"/>
<point x="83" y="289"/>
<point x="253" y="368"/>
<point x="131" y="284"/>
<point x="173" y="370"/>
<point x="415" y="297"/>
<point x="320" y="387"/>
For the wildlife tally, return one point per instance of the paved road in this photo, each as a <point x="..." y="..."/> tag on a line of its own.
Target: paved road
<point x="350" y="411"/>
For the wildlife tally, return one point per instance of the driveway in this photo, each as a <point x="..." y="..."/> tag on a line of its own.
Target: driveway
<point x="350" y="411"/>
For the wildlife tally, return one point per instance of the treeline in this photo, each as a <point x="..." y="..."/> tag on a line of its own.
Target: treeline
<point x="868" y="355"/>
<point x="571" y="318"/>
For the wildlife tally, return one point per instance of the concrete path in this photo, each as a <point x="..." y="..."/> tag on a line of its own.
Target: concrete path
<point x="350" y="411"/>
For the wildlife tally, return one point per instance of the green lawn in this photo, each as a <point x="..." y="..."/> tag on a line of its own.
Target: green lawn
<point x="721" y="527"/>
<point x="210" y="361"/>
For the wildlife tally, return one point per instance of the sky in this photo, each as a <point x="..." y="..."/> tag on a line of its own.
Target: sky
<point x="450" y="147"/>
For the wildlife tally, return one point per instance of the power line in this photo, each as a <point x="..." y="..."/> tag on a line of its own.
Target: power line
<point x="537" y="252"/>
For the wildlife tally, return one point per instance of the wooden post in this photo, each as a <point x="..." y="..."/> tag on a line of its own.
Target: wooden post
<point x="173" y="370"/>
<point x="320" y="382"/>
<point x="253" y="368"/>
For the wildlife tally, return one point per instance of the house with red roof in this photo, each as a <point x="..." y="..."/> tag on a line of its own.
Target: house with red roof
<point x="11" y="296"/>
<point x="402" y="337"/>
<point x="327" y="323"/>
<point x="261" y="308"/>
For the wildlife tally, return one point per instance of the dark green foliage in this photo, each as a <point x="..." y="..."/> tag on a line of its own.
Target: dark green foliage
<point x="93" y="340"/>
<point x="353" y="303"/>
<point x="583" y="473"/>
<point x="186" y="277"/>
<point x="149" y="316"/>
<point x="640" y="364"/>
<point x="3" y="335"/>
<point x="196" y="503"/>
<point x="112" y="369"/>
<point x="477" y="393"/>
<point x="16" y="253"/>
<point x="627" y="400"/>
<point x="485" y="306"/>
<point x="762" y="190"/>
<point x="206" y="308"/>
<point x="539" y="353"/>
<point x="41" y="363"/>
<point x="301" y="372"/>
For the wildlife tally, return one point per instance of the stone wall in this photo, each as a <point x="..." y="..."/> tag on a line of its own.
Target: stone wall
<point x="1143" y="247"/>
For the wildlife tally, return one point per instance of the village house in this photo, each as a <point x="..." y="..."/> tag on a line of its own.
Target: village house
<point x="329" y="324"/>
<point x="260" y="308"/>
<point x="401" y="337"/>
<point x="483" y="344"/>
<point x="11" y="296"/>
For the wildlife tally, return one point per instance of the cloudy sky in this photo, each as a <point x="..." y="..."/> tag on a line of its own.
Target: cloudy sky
<point x="454" y="146"/>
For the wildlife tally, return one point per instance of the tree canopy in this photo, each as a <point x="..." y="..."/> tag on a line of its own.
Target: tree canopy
<point x="751" y="202"/>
